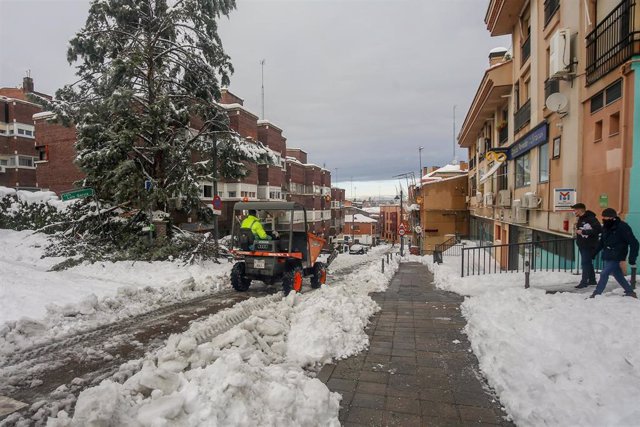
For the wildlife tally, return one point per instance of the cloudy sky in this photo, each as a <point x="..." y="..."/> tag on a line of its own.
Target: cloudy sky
<point x="358" y="84"/>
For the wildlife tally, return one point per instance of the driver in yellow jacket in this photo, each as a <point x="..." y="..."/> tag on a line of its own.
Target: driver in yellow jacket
<point x="253" y="223"/>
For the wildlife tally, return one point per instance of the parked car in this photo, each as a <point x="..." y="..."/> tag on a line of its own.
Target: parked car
<point x="357" y="250"/>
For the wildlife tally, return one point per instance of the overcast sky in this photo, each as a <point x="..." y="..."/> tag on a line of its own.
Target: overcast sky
<point x="358" y="84"/>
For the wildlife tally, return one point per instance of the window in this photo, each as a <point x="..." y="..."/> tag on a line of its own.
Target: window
<point x="543" y="162"/>
<point x="25" y="161"/>
<point x="502" y="177"/>
<point x="43" y="153"/>
<point x="614" y="92"/>
<point x="597" y="131"/>
<point x="614" y="124"/>
<point x="28" y="133"/>
<point x="597" y="102"/>
<point x="523" y="172"/>
<point x="4" y="162"/>
<point x="11" y="161"/>
<point x="232" y="194"/>
<point x="20" y="131"/>
<point x="207" y="191"/>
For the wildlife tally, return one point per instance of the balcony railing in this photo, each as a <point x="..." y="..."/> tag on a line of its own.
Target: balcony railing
<point x="503" y="134"/>
<point x="612" y="42"/>
<point x="522" y="116"/>
<point x="525" y="50"/>
<point x="550" y="9"/>
<point x="551" y="86"/>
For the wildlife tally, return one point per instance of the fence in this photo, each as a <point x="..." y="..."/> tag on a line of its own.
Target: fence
<point x="448" y="246"/>
<point x="559" y="255"/>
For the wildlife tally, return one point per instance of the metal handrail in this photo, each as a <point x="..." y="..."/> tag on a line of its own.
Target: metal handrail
<point x="559" y="255"/>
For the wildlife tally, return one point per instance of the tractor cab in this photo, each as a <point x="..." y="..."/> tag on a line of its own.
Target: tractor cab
<point x="288" y="253"/>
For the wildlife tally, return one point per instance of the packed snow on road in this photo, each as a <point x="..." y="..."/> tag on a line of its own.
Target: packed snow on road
<point x="553" y="358"/>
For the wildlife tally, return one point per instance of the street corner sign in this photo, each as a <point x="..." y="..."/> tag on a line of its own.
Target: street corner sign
<point x="563" y="199"/>
<point x="77" y="194"/>
<point x="216" y="205"/>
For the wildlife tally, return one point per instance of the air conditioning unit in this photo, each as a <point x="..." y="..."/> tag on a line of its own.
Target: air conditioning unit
<point x="3" y="169"/>
<point x="518" y="213"/>
<point x="488" y="199"/>
<point x="504" y="198"/>
<point x="531" y="201"/>
<point x="478" y="197"/>
<point x="560" y="53"/>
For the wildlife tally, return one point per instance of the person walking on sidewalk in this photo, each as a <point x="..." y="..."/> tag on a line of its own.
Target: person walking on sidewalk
<point x="588" y="231"/>
<point x="616" y="241"/>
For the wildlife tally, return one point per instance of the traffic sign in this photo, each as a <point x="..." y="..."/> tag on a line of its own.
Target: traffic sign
<point x="401" y="230"/>
<point x="78" y="194"/>
<point x="217" y="203"/>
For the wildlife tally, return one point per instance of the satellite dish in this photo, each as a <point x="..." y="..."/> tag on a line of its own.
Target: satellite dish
<point x="557" y="102"/>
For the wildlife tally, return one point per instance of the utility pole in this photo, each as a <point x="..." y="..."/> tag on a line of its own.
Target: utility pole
<point x="401" y="222"/>
<point x="262" y="61"/>
<point x="420" y="173"/>
<point x="454" y="133"/>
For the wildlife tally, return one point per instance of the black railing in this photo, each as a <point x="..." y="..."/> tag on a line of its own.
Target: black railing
<point x="559" y="255"/>
<point x="550" y="9"/>
<point x="522" y="116"/>
<point x="503" y="134"/>
<point x="525" y="50"/>
<point x="612" y="42"/>
<point x="551" y="86"/>
<point x="446" y="246"/>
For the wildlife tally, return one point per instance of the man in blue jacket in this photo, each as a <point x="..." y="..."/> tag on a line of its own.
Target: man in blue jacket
<point x="616" y="241"/>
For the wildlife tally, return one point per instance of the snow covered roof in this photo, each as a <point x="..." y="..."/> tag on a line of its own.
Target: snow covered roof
<point x="498" y="50"/>
<point x="447" y="170"/>
<point x="358" y="218"/>
<point x="372" y="210"/>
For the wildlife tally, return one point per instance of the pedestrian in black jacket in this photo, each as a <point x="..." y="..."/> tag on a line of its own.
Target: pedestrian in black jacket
<point x="616" y="241"/>
<point x="588" y="231"/>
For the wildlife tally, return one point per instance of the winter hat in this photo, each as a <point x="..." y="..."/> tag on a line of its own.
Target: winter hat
<point x="609" y="213"/>
<point x="579" y="206"/>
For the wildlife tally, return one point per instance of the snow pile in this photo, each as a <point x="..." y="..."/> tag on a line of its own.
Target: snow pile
<point x="257" y="373"/>
<point x="553" y="359"/>
<point x="32" y="197"/>
<point x="87" y="295"/>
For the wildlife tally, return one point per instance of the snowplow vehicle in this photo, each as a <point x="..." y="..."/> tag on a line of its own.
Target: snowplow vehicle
<point x="288" y="254"/>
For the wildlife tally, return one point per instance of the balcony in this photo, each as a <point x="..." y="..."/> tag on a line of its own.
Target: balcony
<point x="522" y="116"/>
<point x="551" y="86"/>
<point x="525" y="50"/>
<point x="550" y="9"/>
<point x="612" y="42"/>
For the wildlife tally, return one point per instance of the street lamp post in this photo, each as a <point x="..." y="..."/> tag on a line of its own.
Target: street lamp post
<point x="400" y="221"/>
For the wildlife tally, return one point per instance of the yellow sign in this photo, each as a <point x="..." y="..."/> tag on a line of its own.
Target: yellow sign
<point x="493" y="156"/>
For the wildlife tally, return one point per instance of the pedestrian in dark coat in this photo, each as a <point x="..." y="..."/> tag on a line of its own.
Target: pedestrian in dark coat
<point x="617" y="240"/>
<point x="588" y="231"/>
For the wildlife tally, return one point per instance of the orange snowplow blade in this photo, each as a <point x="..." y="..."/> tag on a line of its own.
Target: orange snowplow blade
<point x="315" y="246"/>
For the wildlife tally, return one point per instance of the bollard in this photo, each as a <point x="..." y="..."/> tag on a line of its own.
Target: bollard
<point x="633" y="276"/>
<point x="387" y="258"/>
<point x="527" y="272"/>
<point x="383" y="265"/>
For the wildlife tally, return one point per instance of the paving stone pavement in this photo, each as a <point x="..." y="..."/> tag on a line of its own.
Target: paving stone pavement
<point x="419" y="370"/>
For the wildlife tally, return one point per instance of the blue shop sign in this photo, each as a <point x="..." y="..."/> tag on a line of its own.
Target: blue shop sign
<point x="537" y="136"/>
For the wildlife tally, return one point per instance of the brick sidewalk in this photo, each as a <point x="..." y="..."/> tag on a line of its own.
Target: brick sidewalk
<point x="419" y="370"/>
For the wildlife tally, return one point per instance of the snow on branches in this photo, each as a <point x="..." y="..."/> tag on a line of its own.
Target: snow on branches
<point x="146" y="102"/>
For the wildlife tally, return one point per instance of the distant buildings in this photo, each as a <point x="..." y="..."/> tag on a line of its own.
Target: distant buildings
<point x="18" y="155"/>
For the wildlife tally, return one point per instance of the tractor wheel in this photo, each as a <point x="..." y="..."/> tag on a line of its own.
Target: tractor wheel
<point x="239" y="282"/>
<point x="292" y="279"/>
<point x="319" y="277"/>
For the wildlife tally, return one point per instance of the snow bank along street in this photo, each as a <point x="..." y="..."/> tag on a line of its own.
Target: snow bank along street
<point x="244" y="370"/>
<point x="258" y="373"/>
<point x="553" y="359"/>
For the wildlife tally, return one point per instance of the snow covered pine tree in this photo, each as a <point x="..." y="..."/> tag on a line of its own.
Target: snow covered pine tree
<point x="145" y="105"/>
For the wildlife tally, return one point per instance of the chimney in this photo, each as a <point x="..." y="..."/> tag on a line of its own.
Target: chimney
<point x="27" y="84"/>
<point x="497" y="55"/>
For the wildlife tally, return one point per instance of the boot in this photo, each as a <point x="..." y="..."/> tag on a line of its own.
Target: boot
<point x="582" y="285"/>
<point x="631" y="294"/>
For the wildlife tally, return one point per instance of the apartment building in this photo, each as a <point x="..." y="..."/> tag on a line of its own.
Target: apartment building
<point x="553" y="121"/>
<point x="18" y="156"/>
<point x="337" y="211"/>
